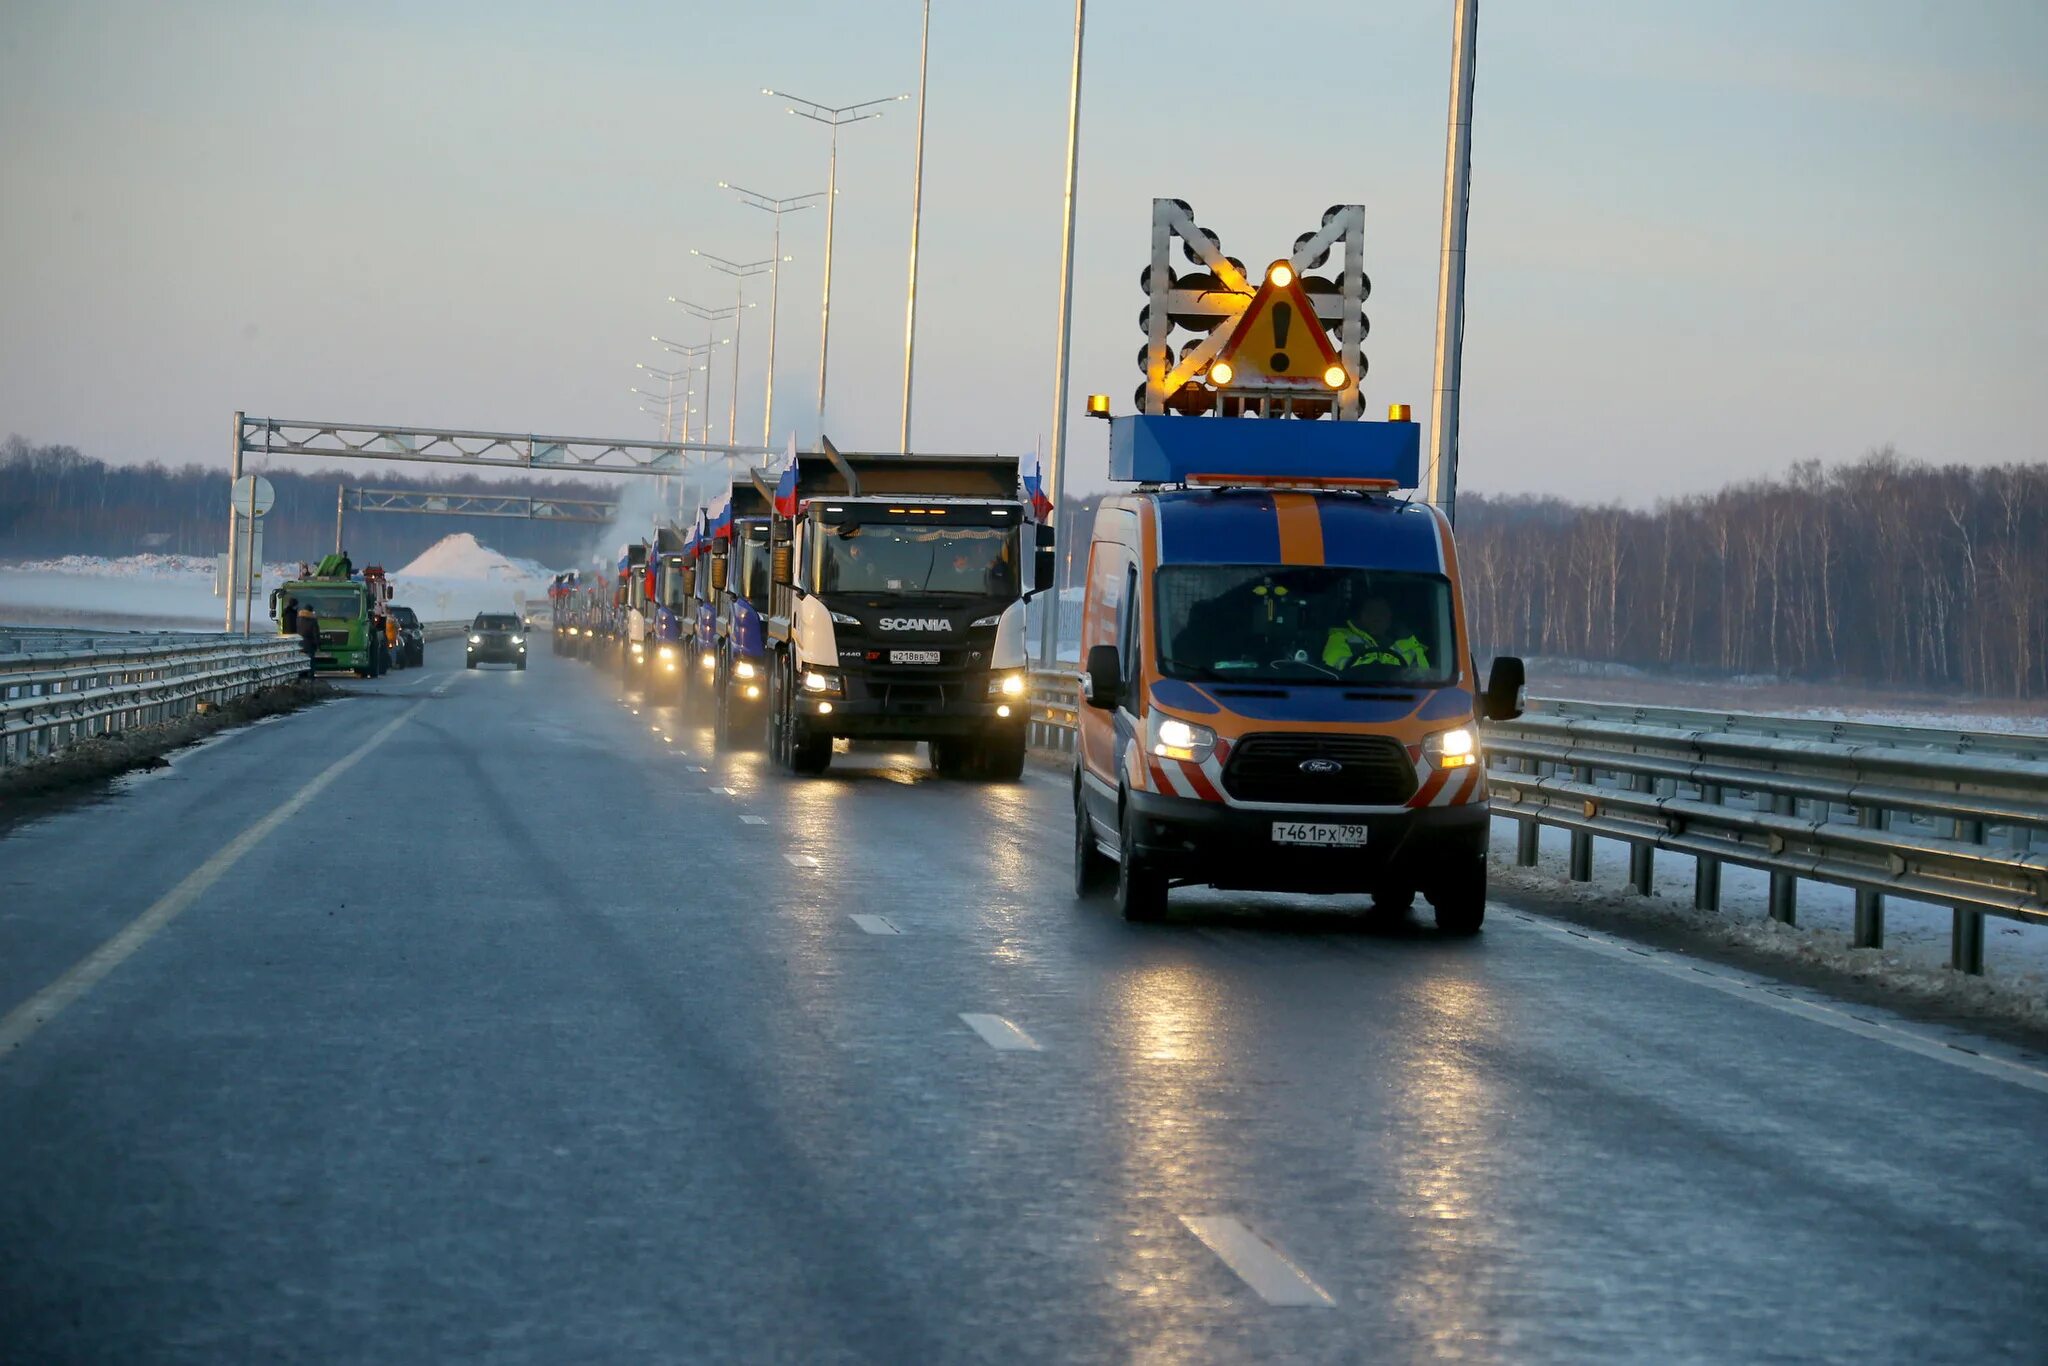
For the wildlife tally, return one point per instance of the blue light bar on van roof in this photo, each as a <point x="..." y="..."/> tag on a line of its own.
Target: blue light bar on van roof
<point x="1177" y="450"/>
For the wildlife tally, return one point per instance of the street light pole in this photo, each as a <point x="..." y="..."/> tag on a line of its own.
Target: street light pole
<point x="924" y="47"/>
<point x="741" y="272"/>
<point x="755" y="200"/>
<point x="833" y="118"/>
<point x="1441" y="481"/>
<point x="1050" y="636"/>
<point x="710" y="317"/>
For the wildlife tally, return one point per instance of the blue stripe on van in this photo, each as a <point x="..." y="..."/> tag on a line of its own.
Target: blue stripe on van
<point x="1218" y="528"/>
<point x="1376" y="534"/>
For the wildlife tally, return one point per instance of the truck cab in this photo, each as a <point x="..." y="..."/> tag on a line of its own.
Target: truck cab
<point x="1278" y="691"/>
<point x="897" y="611"/>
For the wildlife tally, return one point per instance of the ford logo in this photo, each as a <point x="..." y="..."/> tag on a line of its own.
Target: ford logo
<point x="1321" y="767"/>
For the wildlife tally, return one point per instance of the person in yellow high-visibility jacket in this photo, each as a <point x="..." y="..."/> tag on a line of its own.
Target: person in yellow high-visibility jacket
<point x="1369" y="636"/>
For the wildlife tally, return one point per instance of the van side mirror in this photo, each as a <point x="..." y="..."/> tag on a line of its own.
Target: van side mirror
<point x="1102" y="681"/>
<point x="1506" y="691"/>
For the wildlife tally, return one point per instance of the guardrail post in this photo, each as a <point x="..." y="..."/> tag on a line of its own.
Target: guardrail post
<point x="1966" y="933"/>
<point x="1706" y="877"/>
<point x="1869" y="933"/>
<point x="1785" y="886"/>
<point x="1529" y="831"/>
<point x="1580" y="862"/>
<point x="1642" y="856"/>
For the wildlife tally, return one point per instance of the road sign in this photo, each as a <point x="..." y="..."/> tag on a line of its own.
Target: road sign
<point x="252" y="486"/>
<point x="1278" y="341"/>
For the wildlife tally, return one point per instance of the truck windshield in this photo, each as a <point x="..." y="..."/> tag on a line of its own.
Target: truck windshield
<point x="1306" y="624"/>
<point x="893" y="557"/>
<point x="330" y="603"/>
<point x="754" y="568"/>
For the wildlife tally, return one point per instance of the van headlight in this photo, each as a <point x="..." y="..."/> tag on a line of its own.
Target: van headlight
<point x="1012" y="683"/>
<point x="1169" y="737"/>
<point x="823" y="683"/>
<point x="1457" y="748"/>
<point x="743" y="670"/>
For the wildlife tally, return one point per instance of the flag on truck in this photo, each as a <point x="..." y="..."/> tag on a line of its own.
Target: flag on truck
<point x="785" y="483"/>
<point x="720" y="516"/>
<point x="1034" y="494"/>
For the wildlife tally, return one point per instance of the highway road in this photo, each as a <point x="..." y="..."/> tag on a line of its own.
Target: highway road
<point x="485" y="1015"/>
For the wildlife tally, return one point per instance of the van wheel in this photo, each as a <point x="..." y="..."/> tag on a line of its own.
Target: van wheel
<point x="1140" y="890"/>
<point x="1093" y="872"/>
<point x="1460" y="899"/>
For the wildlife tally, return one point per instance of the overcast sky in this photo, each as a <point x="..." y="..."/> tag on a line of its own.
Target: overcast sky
<point x="1707" y="240"/>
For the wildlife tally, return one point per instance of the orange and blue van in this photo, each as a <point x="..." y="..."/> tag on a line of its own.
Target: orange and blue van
<point x="1278" y="691"/>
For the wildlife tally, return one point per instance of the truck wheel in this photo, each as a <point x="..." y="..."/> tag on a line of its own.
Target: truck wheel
<point x="1140" y="890"/>
<point x="1460" y="899"/>
<point x="1002" y="757"/>
<point x="522" y="666"/>
<point x="1093" y="873"/>
<point x="469" y="664"/>
<point x="949" y="757"/>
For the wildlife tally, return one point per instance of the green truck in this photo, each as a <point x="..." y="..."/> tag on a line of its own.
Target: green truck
<point x="349" y="607"/>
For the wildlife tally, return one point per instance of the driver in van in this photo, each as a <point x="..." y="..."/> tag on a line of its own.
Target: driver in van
<point x="1369" y="636"/>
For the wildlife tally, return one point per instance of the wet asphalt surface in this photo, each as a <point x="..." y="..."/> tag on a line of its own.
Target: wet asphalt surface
<point x="543" y="1030"/>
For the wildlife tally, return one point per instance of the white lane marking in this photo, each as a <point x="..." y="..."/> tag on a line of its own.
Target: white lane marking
<point x="727" y="791"/>
<point x="753" y="820"/>
<point x="801" y="860"/>
<point x="875" y="924"/>
<point x="1763" y="992"/>
<point x="38" y="1010"/>
<point x="700" y="768"/>
<point x="1270" y="1273"/>
<point x="1000" y="1033"/>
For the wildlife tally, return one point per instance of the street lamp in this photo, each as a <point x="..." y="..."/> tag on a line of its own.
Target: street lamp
<point x="741" y="272"/>
<point x="835" y="119"/>
<point x="753" y="199"/>
<point x="667" y="397"/>
<point x="711" y="317"/>
<point x="924" y="47"/>
<point x="690" y="354"/>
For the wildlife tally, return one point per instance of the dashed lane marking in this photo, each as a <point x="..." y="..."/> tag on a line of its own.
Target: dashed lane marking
<point x="1760" y="991"/>
<point x="38" y="1010"/>
<point x="1270" y="1273"/>
<point x="875" y="924"/>
<point x="801" y="861"/>
<point x="753" y="820"/>
<point x="1000" y="1034"/>
<point x="724" y="791"/>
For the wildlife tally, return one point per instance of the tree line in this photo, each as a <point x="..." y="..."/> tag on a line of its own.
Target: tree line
<point x="56" y="501"/>
<point x="1885" y="571"/>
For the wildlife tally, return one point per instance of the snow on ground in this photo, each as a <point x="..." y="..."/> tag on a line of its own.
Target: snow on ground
<point x="453" y="580"/>
<point x="1916" y="934"/>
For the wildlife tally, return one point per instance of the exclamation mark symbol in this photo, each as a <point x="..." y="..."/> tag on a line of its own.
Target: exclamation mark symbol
<point x="1283" y="319"/>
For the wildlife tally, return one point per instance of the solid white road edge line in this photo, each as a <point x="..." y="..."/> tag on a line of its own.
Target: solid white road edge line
<point x="753" y="820"/>
<point x="875" y="924"/>
<point x="1000" y="1033"/>
<point x="1764" y="992"/>
<point x="1270" y="1273"/>
<point x="21" y="1023"/>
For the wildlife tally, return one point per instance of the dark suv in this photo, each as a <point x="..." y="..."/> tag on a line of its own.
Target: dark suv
<point x="412" y="638"/>
<point x="496" y="638"/>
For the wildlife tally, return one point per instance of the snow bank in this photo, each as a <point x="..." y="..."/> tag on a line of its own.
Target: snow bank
<point x="463" y="557"/>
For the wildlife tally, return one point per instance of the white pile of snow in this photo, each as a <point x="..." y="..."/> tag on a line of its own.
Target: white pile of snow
<point x="459" y="576"/>
<point x="462" y="556"/>
<point x="150" y="566"/>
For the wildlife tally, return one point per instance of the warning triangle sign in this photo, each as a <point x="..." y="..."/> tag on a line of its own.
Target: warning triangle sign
<point x="1278" y="342"/>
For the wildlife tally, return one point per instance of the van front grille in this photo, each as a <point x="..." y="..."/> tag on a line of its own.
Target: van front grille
<point x="1372" y="770"/>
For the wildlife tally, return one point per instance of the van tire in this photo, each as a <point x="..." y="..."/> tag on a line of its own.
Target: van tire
<point x="1460" y="899"/>
<point x="1094" y="873"/>
<point x="1140" y="890"/>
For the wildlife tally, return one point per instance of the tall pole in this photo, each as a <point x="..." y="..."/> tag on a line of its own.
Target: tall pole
<point x="774" y="311"/>
<point x="924" y="47"/>
<point x="1049" y="644"/>
<point x="825" y="310"/>
<point x="234" y="477"/>
<point x="249" y="592"/>
<point x="739" y="320"/>
<point x="1441" y="482"/>
<point x="339" y="491"/>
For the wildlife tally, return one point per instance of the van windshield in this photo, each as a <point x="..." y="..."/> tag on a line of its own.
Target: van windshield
<point x="1304" y="624"/>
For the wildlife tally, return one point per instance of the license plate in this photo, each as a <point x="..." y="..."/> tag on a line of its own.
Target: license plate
<point x="913" y="656"/>
<point x="1323" y="836"/>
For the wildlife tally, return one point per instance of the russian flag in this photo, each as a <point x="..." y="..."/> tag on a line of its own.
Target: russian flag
<point x="720" y="515"/>
<point x="785" y="486"/>
<point x="1034" y="494"/>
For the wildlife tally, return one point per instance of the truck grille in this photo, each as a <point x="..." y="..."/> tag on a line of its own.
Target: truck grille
<point x="334" y="638"/>
<point x="1375" y="770"/>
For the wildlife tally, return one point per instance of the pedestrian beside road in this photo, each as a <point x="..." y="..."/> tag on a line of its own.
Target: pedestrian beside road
<point x="309" y="635"/>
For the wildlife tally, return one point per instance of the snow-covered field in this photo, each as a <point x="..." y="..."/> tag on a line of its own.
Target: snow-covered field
<point x="455" y="578"/>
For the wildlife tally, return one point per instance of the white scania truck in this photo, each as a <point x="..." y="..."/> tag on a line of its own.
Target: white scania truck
<point x="898" y="609"/>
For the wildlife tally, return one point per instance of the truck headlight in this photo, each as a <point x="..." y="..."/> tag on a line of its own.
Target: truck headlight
<point x="519" y="640"/>
<point x="476" y="640"/>
<point x="667" y="652"/>
<point x="1457" y="748"/>
<point x="841" y="619"/>
<point x="995" y="620"/>
<point x="1009" y="684"/>
<point x="1169" y="737"/>
<point x="743" y="670"/>
<point x="822" y="683"/>
<point x="638" y="648"/>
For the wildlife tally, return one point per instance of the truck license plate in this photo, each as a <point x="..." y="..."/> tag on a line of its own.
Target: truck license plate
<point x="913" y="656"/>
<point x="1323" y="836"/>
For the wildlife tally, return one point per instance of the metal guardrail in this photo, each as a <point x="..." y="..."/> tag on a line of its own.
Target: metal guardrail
<point x="55" y="697"/>
<point x="1924" y="813"/>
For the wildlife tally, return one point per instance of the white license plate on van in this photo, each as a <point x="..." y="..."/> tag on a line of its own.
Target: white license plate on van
<point x="913" y="656"/>
<point x="1319" y="836"/>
